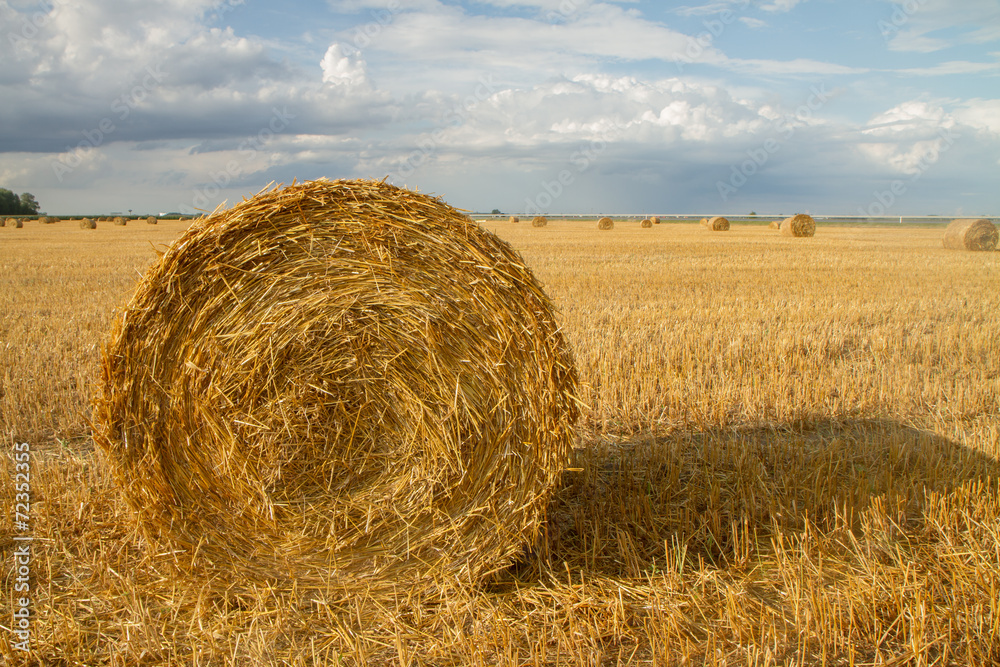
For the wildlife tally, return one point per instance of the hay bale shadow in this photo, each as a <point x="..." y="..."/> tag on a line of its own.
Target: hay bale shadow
<point x="625" y="503"/>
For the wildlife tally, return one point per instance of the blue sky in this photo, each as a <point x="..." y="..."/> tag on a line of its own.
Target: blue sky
<point x="579" y="106"/>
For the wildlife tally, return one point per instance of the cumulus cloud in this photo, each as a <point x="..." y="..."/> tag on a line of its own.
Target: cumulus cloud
<point x="342" y="69"/>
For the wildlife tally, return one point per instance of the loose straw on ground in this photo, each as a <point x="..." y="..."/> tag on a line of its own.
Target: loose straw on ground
<point x="338" y="383"/>
<point x="971" y="234"/>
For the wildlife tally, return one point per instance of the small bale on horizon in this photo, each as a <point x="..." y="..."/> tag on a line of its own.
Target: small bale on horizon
<point x="605" y="223"/>
<point x="514" y="218"/>
<point x="799" y="225"/>
<point x="718" y="224"/>
<point x="121" y="222"/>
<point x="539" y="221"/>
<point x="46" y="220"/>
<point x="87" y="223"/>
<point x="971" y="234"/>
<point x="151" y="220"/>
<point x="655" y="219"/>
<point x="775" y="224"/>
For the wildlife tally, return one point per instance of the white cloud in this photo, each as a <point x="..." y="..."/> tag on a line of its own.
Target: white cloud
<point x="781" y="5"/>
<point x="342" y="69"/>
<point x="752" y="23"/>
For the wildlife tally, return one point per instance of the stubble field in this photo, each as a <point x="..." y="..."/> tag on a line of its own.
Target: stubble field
<point x="789" y="456"/>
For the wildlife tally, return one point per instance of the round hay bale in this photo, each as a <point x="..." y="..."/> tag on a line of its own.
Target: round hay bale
<point x="646" y="223"/>
<point x="87" y="223"/>
<point x="799" y="225"/>
<point x="18" y="224"/>
<point x="703" y="222"/>
<point x="605" y="223"/>
<point x="46" y="220"/>
<point x="514" y="218"/>
<point x="151" y="220"/>
<point x="539" y="221"/>
<point x="655" y="219"/>
<point x="4" y="221"/>
<point x="971" y="234"/>
<point x="775" y="224"/>
<point x="339" y="382"/>
<point x="121" y="222"/>
<point x="718" y="224"/>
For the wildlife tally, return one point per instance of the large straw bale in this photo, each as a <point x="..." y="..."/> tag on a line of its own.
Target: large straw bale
<point x="799" y="225"/>
<point x="4" y="221"/>
<point x="605" y="224"/>
<point x="18" y="223"/>
<point x="87" y="223"/>
<point x="539" y="221"/>
<point x="151" y="220"/>
<point x="646" y="223"/>
<point x="971" y="234"/>
<point x="718" y="224"/>
<point x="341" y="383"/>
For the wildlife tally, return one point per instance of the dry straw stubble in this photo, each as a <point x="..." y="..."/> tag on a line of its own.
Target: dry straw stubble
<point x="799" y="225"/>
<point x="605" y="224"/>
<point x="970" y="234"/>
<point x="339" y="382"/>
<point x="539" y="221"/>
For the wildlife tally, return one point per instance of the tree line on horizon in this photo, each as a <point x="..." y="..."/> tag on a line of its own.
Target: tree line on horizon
<point x="11" y="204"/>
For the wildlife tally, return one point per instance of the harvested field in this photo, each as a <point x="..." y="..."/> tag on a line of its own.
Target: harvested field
<point x="769" y="471"/>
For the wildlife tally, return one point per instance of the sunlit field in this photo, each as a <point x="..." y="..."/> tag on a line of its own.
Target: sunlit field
<point x="789" y="456"/>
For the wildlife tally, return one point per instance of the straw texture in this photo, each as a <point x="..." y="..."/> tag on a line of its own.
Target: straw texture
<point x="971" y="234"/>
<point x="799" y="225"/>
<point x="646" y="223"/>
<point x="605" y="223"/>
<point x="339" y="382"/>
<point x="718" y="224"/>
<point x="655" y="219"/>
<point x="514" y="218"/>
<point x="539" y="221"/>
<point x="18" y="223"/>
<point x="151" y="220"/>
<point x="775" y="224"/>
<point x="119" y="221"/>
<point x="87" y="223"/>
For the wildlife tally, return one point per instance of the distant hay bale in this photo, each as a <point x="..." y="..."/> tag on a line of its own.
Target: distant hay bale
<point x="18" y="224"/>
<point x="4" y="221"/>
<point x="647" y="223"/>
<point x="703" y="222"/>
<point x="971" y="234"/>
<point x="344" y="384"/>
<point x="655" y="219"/>
<point x="718" y="224"/>
<point x="605" y="223"/>
<point x="514" y="218"/>
<point x="87" y="223"/>
<point x="151" y="220"/>
<point x="539" y="221"/>
<point x="775" y="224"/>
<point x="121" y="222"/>
<point x="799" y="225"/>
<point x="46" y="220"/>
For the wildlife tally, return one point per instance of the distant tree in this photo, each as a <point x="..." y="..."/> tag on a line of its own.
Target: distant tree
<point x="753" y="214"/>
<point x="11" y="204"/>
<point x="496" y="211"/>
<point x="29" y="204"/>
